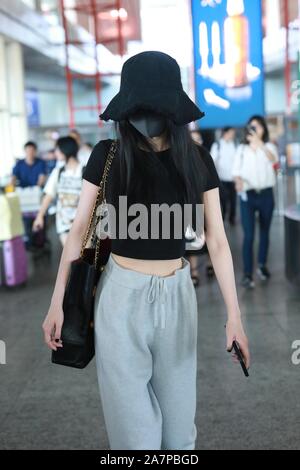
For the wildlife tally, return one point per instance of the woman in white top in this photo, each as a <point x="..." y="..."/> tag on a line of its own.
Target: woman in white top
<point x="64" y="184"/>
<point x="254" y="174"/>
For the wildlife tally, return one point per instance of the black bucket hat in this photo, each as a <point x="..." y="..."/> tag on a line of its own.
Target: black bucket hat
<point x="151" y="81"/>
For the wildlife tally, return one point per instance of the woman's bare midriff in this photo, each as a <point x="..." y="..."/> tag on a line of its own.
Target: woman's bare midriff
<point x="146" y="266"/>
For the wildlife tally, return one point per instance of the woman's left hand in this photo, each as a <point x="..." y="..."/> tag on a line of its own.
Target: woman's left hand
<point x="235" y="332"/>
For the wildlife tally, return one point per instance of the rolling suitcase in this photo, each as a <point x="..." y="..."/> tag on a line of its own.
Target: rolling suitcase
<point x="14" y="269"/>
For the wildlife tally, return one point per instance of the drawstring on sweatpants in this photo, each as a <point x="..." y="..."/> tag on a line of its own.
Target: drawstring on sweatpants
<point x="158" y="291"/>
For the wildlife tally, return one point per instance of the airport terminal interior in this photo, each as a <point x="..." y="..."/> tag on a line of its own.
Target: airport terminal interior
<point x="60" y="67"/>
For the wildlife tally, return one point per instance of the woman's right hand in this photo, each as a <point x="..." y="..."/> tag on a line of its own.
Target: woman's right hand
<point x="52" y="327"/>
<point x="239" y="184"/>
<point x="38" y="223"/>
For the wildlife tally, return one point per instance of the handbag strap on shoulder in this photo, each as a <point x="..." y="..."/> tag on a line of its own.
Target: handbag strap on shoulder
<point x="101" y="194"/>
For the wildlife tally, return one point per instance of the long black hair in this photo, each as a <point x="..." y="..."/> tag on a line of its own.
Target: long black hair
<point x="185" y="153"/>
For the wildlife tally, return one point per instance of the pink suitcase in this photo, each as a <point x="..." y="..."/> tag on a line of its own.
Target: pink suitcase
<point x="14" y="262"/>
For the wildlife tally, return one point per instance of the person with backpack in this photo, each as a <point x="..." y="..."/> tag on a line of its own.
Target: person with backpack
<point x="223" y="152"/>
<point x="64" y="183"/>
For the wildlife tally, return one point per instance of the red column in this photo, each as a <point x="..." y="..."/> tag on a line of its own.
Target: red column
<point x="287" y="58"/>
<point x="67" y="68"/>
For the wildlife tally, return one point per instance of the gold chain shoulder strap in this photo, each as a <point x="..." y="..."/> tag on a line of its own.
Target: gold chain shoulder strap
<point x="101" y="194"/>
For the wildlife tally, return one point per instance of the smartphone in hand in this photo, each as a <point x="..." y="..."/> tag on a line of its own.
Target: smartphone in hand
<point x="238" y="352"/>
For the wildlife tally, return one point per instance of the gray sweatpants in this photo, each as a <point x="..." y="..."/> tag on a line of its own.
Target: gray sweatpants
<point x="146" y="345"/>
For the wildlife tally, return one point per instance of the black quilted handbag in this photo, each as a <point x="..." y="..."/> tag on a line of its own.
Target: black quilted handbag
<point x="78" y="305"/>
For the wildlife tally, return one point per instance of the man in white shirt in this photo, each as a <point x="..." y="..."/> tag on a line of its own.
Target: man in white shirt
<point x="223" y="152"/>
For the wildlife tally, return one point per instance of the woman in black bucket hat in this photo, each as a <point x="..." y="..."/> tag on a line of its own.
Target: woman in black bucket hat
<point x="152" y="81"/>
<point x="145" y="303"/>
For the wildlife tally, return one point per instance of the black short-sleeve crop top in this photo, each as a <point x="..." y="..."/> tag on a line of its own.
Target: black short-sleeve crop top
<point x="147" y="248"/>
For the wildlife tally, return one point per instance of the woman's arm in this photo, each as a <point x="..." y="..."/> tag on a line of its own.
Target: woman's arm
<point x="39" y="220"/>
<point x="54" y="319"/>
<point x="265" y="147"/>
<point x="41" y="180"/>
<point x="271" y="156"/>
<point x="221" y="259"/>
<point x="50" y="192"/>
<point x="236" y="169"/>
<point x="239" y="184"/>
